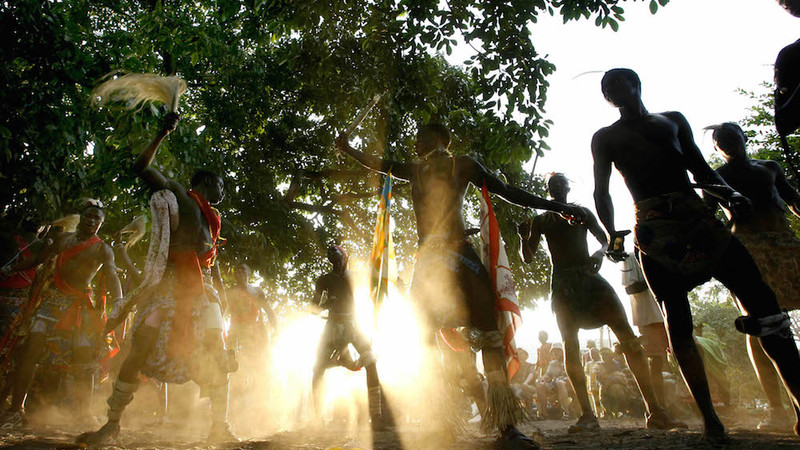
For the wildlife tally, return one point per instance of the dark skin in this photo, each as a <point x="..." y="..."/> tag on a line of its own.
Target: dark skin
<point x="764" y="183"/>
<point x="340" y="301"/>
<point x="653" y="152"/>
<point x="193" y="232"/>
<point x="78" y="272"/>
<point x="439" y="183"/>
<point x="568" y="248"/>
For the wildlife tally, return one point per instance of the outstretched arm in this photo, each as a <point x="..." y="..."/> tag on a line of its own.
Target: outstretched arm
<point x="403" y="171"/>
<point x="478" y="175"/>
<point x="142" y="166"/>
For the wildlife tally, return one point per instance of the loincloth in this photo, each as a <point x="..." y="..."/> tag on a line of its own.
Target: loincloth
<point x="11" y="301"/>
<point x="581" y="293"/>
<point x="453" y="287"/>
<point x="680" y="232"/>
<point x="777" y="255"/>
<point x="62" y="342"/>
<point x="162" y="363"/>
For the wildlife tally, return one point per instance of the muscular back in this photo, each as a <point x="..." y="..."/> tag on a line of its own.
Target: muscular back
<point x="193" y="232"/>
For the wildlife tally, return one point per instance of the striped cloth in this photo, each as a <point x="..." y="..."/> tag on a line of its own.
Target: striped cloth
<point x="493" y="255"/>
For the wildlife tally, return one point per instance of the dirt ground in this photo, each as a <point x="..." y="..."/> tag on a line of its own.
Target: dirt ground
<point x="552" y="434"/>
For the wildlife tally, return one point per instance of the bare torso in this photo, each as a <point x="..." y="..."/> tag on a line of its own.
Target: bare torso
<point x="648" y="153"/>
<point x="438" y="187"/>
<point x="79" y="271"/>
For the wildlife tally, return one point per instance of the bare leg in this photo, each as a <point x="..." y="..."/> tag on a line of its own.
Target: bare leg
<point x="657" y="377"/>
<point x="666" y="287"/>
<point x="34" y="346"/>
<point x="144" y="341"/>
<point x="740" y="274"/>
<point x="572" y="357"/>
<point x="771" y="383"/>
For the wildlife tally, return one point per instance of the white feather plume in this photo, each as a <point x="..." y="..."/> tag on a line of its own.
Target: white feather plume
<point x="137" y="88"/>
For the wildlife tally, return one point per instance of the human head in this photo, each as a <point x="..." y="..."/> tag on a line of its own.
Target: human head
<point x="431" y="138"/>
<point x="729" y="139"/>
<point x="791" y="6"/>
<point x="543" y="336"/>
<point x="242" y="273"/>
<point x="558" y="186"/>
<point x="209" y="185"/>
<point x="594" y="353"/>
<point x="338" y="257"/>
<point x="92" y="217"/>
<point x="558" y="353"/>
<point x="621" y="86"/>
<point x="590" y="344"/>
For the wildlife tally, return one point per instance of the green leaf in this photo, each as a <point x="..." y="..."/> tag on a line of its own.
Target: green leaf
<point x="653" y="6"/>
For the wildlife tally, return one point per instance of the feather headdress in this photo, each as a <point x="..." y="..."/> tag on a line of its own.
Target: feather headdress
<point x="137" y="88"/>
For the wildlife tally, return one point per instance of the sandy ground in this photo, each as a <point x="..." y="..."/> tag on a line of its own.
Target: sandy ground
<point x="552" y="434"/>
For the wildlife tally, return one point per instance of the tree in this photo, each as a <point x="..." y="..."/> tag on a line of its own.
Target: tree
<point x="270" y="84"/>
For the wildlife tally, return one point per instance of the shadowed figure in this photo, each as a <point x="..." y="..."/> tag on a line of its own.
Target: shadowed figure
<point x="450" y="283"/>
<point x="768" y="238"/>
<point x="340" y="331"/>
<point x="582" y="299"/>
<point x="67" y="327"/>
<point x="177" y="334"/>
<point x="682" y="244"/>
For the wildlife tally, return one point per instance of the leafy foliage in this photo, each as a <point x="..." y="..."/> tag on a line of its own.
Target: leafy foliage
<point x="714" y="308"/>
<point x="270" y="84"/>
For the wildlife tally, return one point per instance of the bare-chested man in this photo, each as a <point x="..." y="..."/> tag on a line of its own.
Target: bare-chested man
<point x="582" y="299"/>
<point x="334" y="292"/>
<point x="682" y="244"/>
<point x="768" y="238"/>
<point x="450" y="283"/>
<point x="177" y="335"/>
<point x="67" y="327"/>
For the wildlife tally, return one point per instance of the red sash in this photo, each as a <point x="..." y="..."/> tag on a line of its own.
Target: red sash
<point x="23" y="278"/>
<point x="189" y="284"/>
<point x="73" y="315"/>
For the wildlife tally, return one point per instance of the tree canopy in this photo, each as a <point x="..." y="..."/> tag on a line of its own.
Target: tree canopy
<point x="271" y="83"/>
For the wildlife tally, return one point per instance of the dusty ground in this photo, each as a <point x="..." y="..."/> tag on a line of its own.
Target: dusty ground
<point x="616" y="433"/>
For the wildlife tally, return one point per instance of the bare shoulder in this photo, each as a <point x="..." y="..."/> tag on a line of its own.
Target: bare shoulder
<point x="674" y="116"/>
<point x="769" y="164"/>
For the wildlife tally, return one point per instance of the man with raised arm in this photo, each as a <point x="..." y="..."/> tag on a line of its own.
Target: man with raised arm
<point x="582" y="299"/>
<point x="682" y="244"/>
<point x="450" y="283"/>
<point x="67" y="326"/>
<point x="177" y="335"/>
<point x="768" y="238"/>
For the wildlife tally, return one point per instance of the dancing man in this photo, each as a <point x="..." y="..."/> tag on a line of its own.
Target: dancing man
<point x="67" y="327"/>
<point x="177" y="334"/>
<point x="768" y="238"/>
<point x="682" y="244"/>
<point x="450" y="283"/>
<point x="582" y="299"/>
<point x="334" y="292"/>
